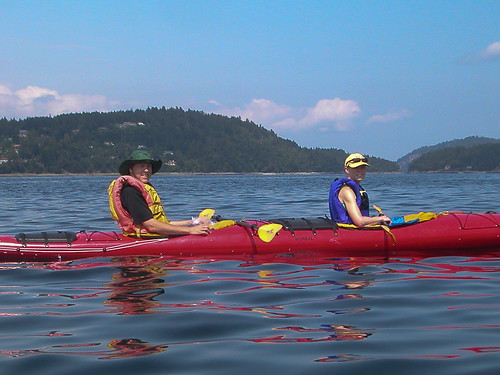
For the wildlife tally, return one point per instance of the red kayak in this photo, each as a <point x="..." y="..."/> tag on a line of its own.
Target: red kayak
<point x="448" y="234"/>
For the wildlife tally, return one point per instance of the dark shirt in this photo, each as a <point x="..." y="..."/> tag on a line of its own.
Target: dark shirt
<point x="135" y="204"/>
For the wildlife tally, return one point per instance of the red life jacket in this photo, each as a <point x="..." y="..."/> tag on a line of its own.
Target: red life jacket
<point x="122" y="216"/>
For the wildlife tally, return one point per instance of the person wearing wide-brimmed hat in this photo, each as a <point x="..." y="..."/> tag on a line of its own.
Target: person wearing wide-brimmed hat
<point x="136" y="206"/>
<point x="348" y="200"/>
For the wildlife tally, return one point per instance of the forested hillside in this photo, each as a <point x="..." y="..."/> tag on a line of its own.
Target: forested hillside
<point x="485" y="157"/>
<point x="187" y="141"/>
<point x="405" y="161"/>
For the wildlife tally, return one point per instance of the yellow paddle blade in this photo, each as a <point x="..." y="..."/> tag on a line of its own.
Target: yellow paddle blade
<point x="268" y="231"/>
<point x="388" y="231"/>
<point x="207" y="213"/>
<point x="222" y="224"/>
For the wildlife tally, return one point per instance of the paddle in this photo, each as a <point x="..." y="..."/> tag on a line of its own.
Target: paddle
<point x="384" y="227"/>
<point x="379" y="210"/>
<point x="203" y="217"/>
<point x="207" y="213"/>
<point x="265" y="232"/>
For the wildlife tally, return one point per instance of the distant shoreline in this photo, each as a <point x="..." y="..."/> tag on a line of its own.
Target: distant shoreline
<point x="112" y="175"/>
<point x="169" y="173"/>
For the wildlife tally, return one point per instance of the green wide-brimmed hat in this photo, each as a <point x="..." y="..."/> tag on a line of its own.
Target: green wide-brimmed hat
<point x="139" y="156"/>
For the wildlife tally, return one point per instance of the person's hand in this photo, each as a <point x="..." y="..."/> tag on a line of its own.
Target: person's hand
<point x="201" y="229"/>
<point x="385" y="220"/>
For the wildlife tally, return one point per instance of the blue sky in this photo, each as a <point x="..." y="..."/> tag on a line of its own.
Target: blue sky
<point x="377" y="77"/>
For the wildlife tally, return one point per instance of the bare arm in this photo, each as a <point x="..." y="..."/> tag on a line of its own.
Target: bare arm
<point x="167" y="229"/>
<point x="347" y="196"/>
<point x="180" y="222"/>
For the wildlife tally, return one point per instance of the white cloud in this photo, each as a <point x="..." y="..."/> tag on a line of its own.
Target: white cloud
<point x="389" y="117"/>
<point x="31" y="93"/>
<point x="38" y="101"/>
<point x="491" y="52"/>
<point x="4" y="90"/>
<point x="334" y="113"/>
<point x="261" y="111"/>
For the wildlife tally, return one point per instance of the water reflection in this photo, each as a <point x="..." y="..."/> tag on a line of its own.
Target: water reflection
<point x="118" y="349"/>
<point x="299" y="301"/>
<point x="128" y="348"/>
<point x="327" y="332"/>
<point x="135" y="287"/>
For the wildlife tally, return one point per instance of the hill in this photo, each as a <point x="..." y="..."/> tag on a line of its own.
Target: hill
<point x="480" y="158"/>
<point x="405" y="161"/>
<point x="187" y="141"/>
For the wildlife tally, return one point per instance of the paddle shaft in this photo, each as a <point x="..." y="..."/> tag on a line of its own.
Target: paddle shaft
<point x="265" y="232"/>
<point x="240" y="223"/>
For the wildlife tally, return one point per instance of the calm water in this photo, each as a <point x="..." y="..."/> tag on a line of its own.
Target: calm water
<point x="294" y="316"/>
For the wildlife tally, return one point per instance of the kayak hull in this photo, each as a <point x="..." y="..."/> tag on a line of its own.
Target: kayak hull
<point x="450" y="234"/>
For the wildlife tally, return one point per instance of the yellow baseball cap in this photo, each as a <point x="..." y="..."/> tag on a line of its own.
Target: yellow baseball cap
<point x="356" y="160"/>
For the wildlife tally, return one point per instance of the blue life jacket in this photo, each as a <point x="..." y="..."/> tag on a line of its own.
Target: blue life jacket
<point x="338" y="212"/>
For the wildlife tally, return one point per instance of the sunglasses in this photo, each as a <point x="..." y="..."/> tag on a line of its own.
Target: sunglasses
<point x="357" y="160"/>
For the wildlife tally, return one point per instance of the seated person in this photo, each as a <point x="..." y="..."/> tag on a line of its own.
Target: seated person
<point x="348" y="201"/>
<point x="136" y="205"/>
